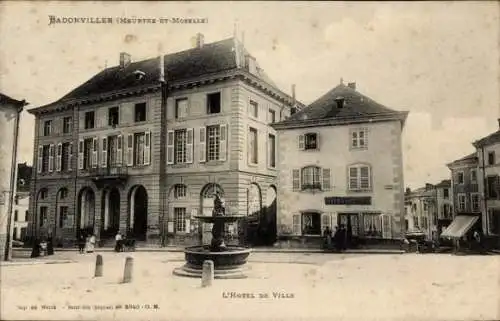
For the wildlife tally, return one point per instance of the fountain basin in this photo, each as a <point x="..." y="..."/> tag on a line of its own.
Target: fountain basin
<point x="228" y="264"/>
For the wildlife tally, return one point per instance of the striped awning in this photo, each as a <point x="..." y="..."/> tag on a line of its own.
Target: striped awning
<point x="459" y="226"/>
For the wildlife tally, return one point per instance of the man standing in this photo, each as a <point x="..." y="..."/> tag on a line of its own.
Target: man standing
<point x="118" y="239"/>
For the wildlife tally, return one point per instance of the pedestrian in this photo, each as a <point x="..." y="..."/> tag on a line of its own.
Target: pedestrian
<point x="118" y="239"/>
<point x="477" y="238"/>
<point x="91" y="243"/>
<point x="81" y="243"/>
<point x="35" y="252"/>
<point x="327" y="238"/>
<point x="50" y="245"/>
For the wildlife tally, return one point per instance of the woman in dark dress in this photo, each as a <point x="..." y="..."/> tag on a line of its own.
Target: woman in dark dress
<point x="50" y="245"/>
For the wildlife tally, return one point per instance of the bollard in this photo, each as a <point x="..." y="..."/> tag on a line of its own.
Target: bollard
<point x="98" y="266"/>
<point x="127" y="273"/>
<point x="207" y="274"/>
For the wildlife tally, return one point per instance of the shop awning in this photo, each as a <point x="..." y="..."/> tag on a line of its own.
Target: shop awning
<point x="459" y="226"/>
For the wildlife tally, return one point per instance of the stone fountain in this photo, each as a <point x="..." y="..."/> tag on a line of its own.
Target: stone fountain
<point x="229" y="260"/>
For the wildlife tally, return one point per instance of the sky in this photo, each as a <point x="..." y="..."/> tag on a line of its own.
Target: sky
<point x="437" y="60"/>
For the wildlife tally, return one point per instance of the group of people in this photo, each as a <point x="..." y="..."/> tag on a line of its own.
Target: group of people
<point x="45" y="245"/>
<point x="335" y="239"/>
<point x="86" y="244"/>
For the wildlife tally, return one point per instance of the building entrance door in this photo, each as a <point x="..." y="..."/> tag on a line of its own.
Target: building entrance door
<point x="351" y="223"/>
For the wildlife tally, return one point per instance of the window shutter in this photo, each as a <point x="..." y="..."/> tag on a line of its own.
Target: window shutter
<point x="334" y="220"/>
<point x="385" y="223"/>
<point x="353" y="178"/>
<point x="188" y="225"/>
<point x="223" y="143"/>
<point x="327" y="185"/>
<point x="70" y="157"/>
<point x="325" y="221"/>
<point x="296" y="225"/>
<point x="59" y="157"/>
<point x="203" y="140"/>
<point x="364" y="173"/>
<point x="51" y="158"/>
<point x="119" y="150"/>
<point x="189" y="145"/>
<point x="317" y="141"/>
<point x="94" y="152"/>
<point x="130" y="150"/>
<point x="170" y="147"/>
<point x="365" y="133"/>
<point x="296" y="179"/>
<point x="301" y="142"/>
<point x="39" y="162"/>
<point x="104" y="156"/>
<point x="80" y="154"/>
<point x="147" y="148"/>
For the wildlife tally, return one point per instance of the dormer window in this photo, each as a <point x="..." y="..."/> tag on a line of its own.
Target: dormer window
<point x="139" y="74"/>
<point x="309" y="141"/>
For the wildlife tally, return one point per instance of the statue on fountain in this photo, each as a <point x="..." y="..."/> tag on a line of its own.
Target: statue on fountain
<point x="217" y="244"/>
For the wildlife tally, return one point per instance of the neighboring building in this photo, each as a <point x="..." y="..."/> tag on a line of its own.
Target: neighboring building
<point x="340" y="162"/>
<point x="20" y="215"/>
<point x="142" y="147"/>
<point x="466" y="197"/>
<point x="444" y="205"/>
<point x="10" y="110"/>
<point x="24" y="173"/>
<point x="488" y="152"/>
<point x="421" y="212"/>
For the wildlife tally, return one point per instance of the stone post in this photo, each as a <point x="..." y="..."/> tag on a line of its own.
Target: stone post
<point x="98" y="266"/>
<point x="207" y="274"/>
<point x="127" y="273"/>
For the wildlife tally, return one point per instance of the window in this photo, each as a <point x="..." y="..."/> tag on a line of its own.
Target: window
<point x="491" y="158"/>
<point x="492" y="187"/>
<point x="45" y="158"/>
<point x="181" y="108"/>
<point x="180" y="146"/>
<point x="253" y="149"/>
<point x="253" y="109"/>
<point x="180" y="191"/>
<point x="311" y="141"/>
<point x="460" y="177"/>
<point x="425" y="223"/>
<point x="473" y="176"/>
<point x="415" y="222"/>
<point x="139" y="146"/>
<point x="113" y="116"/>
<point x="359" y="177"/>
<point x="213" y="142"/>
<point x="180" y="219"/>
<point x="63" y="193"/>
<point x="140" y="112"/>
<point x="213" y="103"/>
<point x="43" y="215"/>
<point x="272" y="151"/>
<point x="310" y="178"/>
<point x="425" y="206"/>
<point x="65" y="156"/>
<point x="372" y="225"/>
<point x="461" y="202"/>
<point x="89" y="120"/>
<point x="474" y="199"/>
<point x="311" y="224"/>
<point x="406" y="225"/>
<point x="446" y="193"/>
<point x="359" y="138"/>
<point x="16" y="218"/>
<point x="43" y="194"/>
<point x="63" y="215"/>
<point x="271" y="116"/>
<point x="87" y="146"/>
<point x="494" y="221"/>
<point x="47" y="127"/>
<point x="67" y="124"/>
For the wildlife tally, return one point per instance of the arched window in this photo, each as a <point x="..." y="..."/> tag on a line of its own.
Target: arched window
<point x="43" y="194"/>
<point x="311" y="177"/>
<point x="62" y="194"/>
<point x="359" y="177"/>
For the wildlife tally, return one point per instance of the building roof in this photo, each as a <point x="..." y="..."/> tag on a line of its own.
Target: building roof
<point x="6" y="100"/>
<point x="469" y="159"/>
<point x="488" y="140"/>
<point x="444" y="183"/>
<point x="209" y="59"/>
<point x="356" y="105"/>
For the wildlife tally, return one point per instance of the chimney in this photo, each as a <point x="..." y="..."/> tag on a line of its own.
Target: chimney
<point x="125" y="59"/>
<point x="352" y="85"/>
<point x="198" y="40"/>
<point x="340" y="102"/>
<point x="293" y="94"/>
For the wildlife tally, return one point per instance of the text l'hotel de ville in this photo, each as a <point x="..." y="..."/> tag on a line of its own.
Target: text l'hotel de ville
<point x="125" y="20"/>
